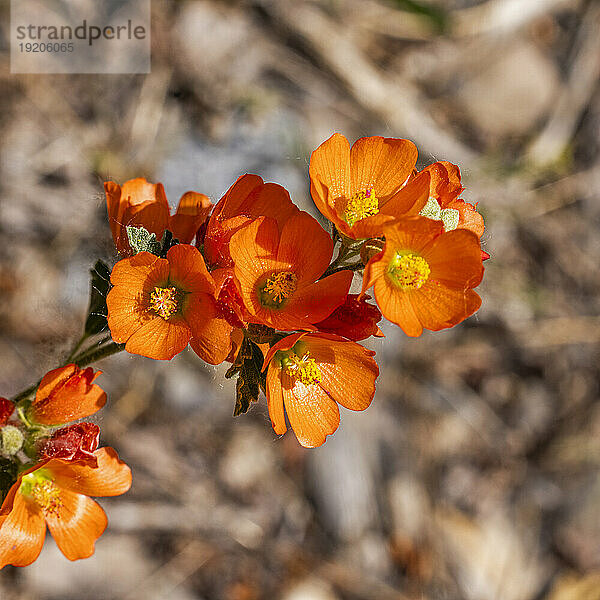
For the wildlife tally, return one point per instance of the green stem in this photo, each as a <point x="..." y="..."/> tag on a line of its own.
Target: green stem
<point x="77" y="347"/>
<point x="98" y="353"/>
<point x="25" y="393"/>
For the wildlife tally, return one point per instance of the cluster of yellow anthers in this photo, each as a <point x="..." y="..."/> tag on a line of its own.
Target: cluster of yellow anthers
<point x="250" y="281"/>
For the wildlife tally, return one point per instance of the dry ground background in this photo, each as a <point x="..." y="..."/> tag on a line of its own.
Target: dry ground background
<point x="474" y="474"/>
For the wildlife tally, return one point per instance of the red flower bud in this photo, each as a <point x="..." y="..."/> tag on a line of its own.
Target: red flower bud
<point x="74" y="443"/>
<point x="6" y="409"/>
<point x="355" y="320"/>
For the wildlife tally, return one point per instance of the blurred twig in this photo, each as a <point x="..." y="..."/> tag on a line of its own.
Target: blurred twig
<point x="575" y="96"/>
<point x="398" y="103"/>
<point x="503" y="16"/>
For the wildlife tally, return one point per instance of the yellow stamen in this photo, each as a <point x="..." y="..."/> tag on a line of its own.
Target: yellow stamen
<point x="279" y="287"/>
<point x="163" y="301"/>
<point x="304" y="369"/>
<point x="361" y="205"/>
<point x="40" y="488"/>
<point x="408" y="271"/>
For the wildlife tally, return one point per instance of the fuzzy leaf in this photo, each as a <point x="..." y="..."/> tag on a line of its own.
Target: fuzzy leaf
<point x="141" y="240"/>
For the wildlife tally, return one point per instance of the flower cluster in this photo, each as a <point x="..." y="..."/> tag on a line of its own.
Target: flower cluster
<point x="255" y="282"/>
<point x="55" y="468"/>
<point x="260" y="289"/>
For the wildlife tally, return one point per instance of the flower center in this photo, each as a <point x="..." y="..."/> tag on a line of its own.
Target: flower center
<point x="43" y="491"/>
<point x="279" y="287"/>
<point x="408" y="271"/>
<point x="163" y="301"/>
<point x="361" y="205"/>
<point x="304" y="369"/>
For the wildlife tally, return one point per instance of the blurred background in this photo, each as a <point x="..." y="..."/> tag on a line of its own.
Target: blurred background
<point x="475" y="472"/>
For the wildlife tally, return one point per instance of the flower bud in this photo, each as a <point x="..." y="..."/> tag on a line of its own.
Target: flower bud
<point x="6" y="410"/>
<point x="75" y="442"/>
<point x="12" y="439"/>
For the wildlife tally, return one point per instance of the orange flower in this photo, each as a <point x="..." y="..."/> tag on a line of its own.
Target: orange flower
<point x="55" y="493"/>
<point x="159" y="305"/>
<point x="423" y="277"/>
<point x="67" y="394"/>
<point x="142" y="204"/>
<point x="309" y="373"/>
<point x="248" y="198"/>
<point x="276" y="272"/>
<point x="444" y="203"/>
<point x="359" y="189"/>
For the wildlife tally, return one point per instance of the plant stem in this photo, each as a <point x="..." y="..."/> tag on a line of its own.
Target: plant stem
<point x="93" y="354"/>
<point x="76" y="348"/>
<point x="25" y="393"/>
<point x="85" y="358"/>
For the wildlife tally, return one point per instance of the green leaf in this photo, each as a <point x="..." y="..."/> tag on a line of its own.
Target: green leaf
<point x="250" y="379"/>
<point x="141" y="240"/>
<point x="167" y="242"/>
<point x="99" y="285"/>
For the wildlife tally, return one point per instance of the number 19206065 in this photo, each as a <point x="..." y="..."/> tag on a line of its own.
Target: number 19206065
<point x="47" y="47"/>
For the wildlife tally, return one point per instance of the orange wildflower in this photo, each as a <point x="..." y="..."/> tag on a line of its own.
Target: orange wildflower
<point x="142" y="204"/>
<point x="248" y="198"/>
<point x="277" y="272"/>
<point x="424" y="277"/>
<point x="55" y="493"/>
<point x="360" y="188"/>
<point x="159" y="305"/>
<point x="309" y="374"/>
<point x="67" y="394"/>
<point x="444" y="203"/>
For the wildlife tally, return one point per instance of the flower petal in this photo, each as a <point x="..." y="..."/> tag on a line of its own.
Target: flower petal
<point x="396" y="306"/>
<point x="160" y="339"/>
<point x="275" y="400"/>
<point x="313" y="415"/>
<point x="305" y="248"/>
<point x="67" y="394"/>
<point x="187" y="270"/>
<point x="381" y="164"/>
<point x="211" y="333"/>
<point x="317" y="301"/>
<point x="439" y="307"/>
<point x="330" y="165"/>
<point x="77" y="526"/>
<point x="22" y="533"/>
<point x="127" y="312"/>
<point x="455" y="259"/>
<point x="192" y="211"/>
<point x="254" y="251"/>
<point x="336" y="361"/>
<point x="112" y="477"/>
<point x="141" y="272"/>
